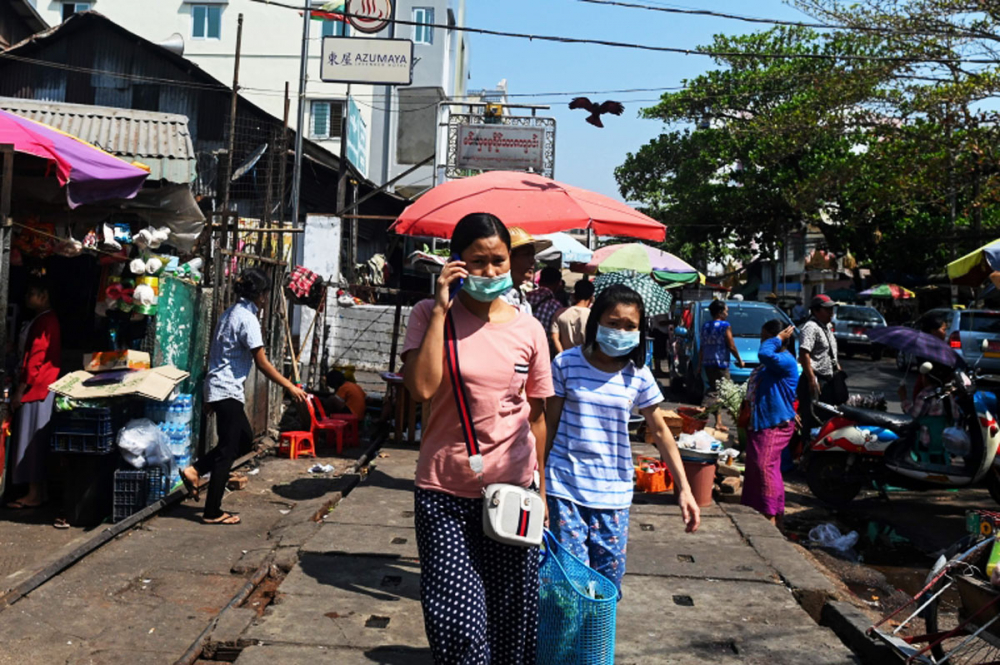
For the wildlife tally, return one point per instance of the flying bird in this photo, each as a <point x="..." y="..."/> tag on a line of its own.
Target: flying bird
<point x="597" y="111"/>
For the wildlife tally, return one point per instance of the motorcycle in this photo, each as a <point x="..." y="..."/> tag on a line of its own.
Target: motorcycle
<point x="860" y="447"/>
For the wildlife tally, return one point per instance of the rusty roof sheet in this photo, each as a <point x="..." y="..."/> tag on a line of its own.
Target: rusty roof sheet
<point x="158" y="140"/>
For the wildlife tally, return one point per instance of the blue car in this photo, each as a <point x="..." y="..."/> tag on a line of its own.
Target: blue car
<point x="746" y="319"/>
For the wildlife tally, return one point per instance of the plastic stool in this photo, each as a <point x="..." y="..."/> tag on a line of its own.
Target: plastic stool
<point x="295" y="444"/>
<point x="353" y="427"/>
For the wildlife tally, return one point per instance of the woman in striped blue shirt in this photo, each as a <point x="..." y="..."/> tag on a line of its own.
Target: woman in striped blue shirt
<point x="588" y="470"/>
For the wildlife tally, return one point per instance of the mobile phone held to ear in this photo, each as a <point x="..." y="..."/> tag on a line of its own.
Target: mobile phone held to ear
<point x="456" y="286"/>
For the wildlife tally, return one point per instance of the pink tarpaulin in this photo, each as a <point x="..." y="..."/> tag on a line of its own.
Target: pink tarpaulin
<point x="88" y="173"/>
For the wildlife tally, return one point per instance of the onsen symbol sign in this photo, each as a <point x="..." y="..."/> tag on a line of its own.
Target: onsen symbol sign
<point x="369" y="16"/>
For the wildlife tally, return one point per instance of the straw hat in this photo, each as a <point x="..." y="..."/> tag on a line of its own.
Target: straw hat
<point x="519" y="237"/>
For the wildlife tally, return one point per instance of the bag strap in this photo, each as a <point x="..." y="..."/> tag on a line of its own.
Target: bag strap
<point x="461" y="397"/>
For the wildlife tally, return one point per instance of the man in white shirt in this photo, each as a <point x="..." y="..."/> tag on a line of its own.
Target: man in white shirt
<point x="569" y="324"/>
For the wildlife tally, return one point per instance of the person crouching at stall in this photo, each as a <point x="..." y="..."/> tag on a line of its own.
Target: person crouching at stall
<point x="479" y="596"/>
<point x="589" y="456"/>
<point x="238" y="345"/>
<point x="40" y="347"/>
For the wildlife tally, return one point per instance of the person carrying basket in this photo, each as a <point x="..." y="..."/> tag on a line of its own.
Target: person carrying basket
<point x="588" y="467"/>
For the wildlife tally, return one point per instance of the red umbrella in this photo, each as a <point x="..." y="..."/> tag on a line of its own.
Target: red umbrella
<point x="536" y="204"/>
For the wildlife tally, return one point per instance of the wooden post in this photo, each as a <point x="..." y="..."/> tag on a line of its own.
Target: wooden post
<point x="232" y="115"/>
<point x="6" y="187"/>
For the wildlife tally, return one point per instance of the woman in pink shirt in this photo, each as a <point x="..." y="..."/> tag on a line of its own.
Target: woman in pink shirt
<point x="504" y="363"/>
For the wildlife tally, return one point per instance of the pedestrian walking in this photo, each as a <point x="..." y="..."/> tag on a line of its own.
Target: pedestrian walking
<point x="822" y="377"/>
<point x="40" y="348"/>
<point x="479" y="596"/>
<point x="717" y="344"/>
<point x="771" y="400"/>
<point x="523" y="248"/>
<point x="569" y="326"/>
<point x="589" y="473"/>
<point x="544" y="303"/>
<point x="799" y="312"/>
<point x="238" y="345"/>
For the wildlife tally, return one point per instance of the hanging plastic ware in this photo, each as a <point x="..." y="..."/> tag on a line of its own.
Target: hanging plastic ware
<point x="576" y="610"/>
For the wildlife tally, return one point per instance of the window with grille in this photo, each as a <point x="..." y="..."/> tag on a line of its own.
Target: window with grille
<point x="423" y="33"/>
<point x="70" y="8"/>
<point x="327" y="117"/>
<point x="206" y="21"/>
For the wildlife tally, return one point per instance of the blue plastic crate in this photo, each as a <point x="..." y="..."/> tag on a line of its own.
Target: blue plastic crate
<point x="71" y="442"/>
<point x="135" y="489"/>
<point x="97" y="421"/>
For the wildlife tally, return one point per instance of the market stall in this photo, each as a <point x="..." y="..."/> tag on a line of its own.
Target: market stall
<point x="116" y="263"/>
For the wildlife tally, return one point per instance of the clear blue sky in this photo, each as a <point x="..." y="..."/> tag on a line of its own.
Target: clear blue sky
<point x="585" y="155"/>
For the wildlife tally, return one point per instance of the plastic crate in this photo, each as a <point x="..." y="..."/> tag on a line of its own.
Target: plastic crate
<point x="136" y="489"/>
<point x="68" y="442"/>
<point x="91" y="430"/>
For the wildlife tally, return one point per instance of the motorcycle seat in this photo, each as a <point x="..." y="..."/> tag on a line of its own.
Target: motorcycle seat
<point x="897" y="422"/>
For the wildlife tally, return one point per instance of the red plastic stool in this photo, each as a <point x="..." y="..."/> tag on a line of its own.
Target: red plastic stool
<point x="327" y="427"/>
<point x="353" y="427"/>
<point x="295" y="444"/>
<point x="353" y="423"/>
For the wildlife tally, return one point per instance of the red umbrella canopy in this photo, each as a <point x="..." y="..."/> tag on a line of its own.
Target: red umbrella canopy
<point x="536" y="204"/>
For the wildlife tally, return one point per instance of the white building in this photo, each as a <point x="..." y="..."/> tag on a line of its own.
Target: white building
<point x="401" y="125"/>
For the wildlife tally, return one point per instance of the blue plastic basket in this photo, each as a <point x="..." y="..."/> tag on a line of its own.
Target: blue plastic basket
<point x="576" y="610"/>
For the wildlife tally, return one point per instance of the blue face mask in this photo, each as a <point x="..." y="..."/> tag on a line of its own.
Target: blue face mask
<point x="488" y="289"/>
<point x="616" y="343"/>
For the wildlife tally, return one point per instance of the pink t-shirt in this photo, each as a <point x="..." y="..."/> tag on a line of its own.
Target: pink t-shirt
<point x="502" y="366"/>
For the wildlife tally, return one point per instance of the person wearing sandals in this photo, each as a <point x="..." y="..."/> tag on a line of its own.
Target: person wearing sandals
<point x="479" y="596"/>
<point x="238" y="345"/>
<point x="33" y="404"/>
<point x="588" y="466"/>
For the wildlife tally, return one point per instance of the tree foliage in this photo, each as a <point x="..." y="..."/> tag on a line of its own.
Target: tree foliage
<point x="853" y="130"/>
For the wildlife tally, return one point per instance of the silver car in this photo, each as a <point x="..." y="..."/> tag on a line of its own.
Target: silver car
<point x="851" y="324"/>
<point x="966" y="330"/>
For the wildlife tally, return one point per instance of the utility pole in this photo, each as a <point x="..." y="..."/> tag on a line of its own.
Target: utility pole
<point x="232" y="115"/>
<point x="387" y="105"/>
<point x="300" y="126"/>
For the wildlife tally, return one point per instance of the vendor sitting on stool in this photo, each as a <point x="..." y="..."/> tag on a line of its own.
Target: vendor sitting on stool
<point x="347" y="397"/>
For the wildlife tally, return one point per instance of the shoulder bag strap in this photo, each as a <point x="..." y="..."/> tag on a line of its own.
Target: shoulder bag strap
<point x="461" y="396"/>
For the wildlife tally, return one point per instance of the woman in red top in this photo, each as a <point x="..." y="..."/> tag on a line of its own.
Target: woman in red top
<point x="40" y="346"/>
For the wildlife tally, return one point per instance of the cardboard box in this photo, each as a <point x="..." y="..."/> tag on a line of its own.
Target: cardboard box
<point x="156" y="383"/>
<point x="106" y="361"/>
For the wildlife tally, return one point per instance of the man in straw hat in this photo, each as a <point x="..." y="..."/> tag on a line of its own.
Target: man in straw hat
<point x="523" y="247"/>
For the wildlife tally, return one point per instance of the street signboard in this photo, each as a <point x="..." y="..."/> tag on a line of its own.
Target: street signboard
<point x="500" y="148"/>
<point x="369" y="16"/>
<point x="481" y="142"/>
<point x="374" y="61"/>
<point x="357" y="138"/>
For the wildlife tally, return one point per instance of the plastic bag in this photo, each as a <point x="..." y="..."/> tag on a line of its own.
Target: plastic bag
<point x="143" y="445"/>
<point x="956" y="441"/>
<point x="829" y="536"/>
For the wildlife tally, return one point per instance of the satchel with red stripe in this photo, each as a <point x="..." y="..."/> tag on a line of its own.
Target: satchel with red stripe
<point x="511" y="515"/>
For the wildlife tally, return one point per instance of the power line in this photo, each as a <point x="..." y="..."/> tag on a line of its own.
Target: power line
<point x="660" y="49"/>
<point x="767" y="21"/>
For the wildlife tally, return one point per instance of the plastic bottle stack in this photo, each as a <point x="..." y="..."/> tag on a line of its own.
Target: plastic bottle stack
<point x="174" y="418"/>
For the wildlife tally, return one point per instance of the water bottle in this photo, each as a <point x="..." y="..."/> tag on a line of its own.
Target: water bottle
<point x="187" y="409"/>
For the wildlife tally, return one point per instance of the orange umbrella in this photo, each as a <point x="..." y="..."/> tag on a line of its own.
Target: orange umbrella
<point x="536" y="204"/>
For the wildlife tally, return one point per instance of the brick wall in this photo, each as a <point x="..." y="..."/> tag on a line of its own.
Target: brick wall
<point x="362" y="336"/>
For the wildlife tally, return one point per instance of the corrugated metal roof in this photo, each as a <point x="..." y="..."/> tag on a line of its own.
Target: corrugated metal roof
<point x="159" y="140"/>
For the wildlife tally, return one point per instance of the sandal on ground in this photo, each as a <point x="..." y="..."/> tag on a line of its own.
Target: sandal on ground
<point x="190" y="486"/>
<point x="61" y="523"/>
<point x="224" y="518"/>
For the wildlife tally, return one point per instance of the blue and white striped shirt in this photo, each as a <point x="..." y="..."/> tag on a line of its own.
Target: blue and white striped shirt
<point x="591" y="458"/>
<point x="230" y="359"/>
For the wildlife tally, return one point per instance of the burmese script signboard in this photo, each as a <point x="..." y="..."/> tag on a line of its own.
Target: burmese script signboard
<point x="500" y="148"/>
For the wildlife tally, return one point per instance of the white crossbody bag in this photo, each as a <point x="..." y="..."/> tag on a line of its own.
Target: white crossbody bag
<point x="511" y="515"/>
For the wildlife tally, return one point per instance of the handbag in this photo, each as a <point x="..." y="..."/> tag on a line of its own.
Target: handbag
<point x="511" y="515"/>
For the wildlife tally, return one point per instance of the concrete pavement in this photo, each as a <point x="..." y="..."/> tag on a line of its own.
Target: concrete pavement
<point x="728" y="594"/>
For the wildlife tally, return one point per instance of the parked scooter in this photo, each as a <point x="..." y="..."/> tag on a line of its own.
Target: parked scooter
<point x="859" y="447"/>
